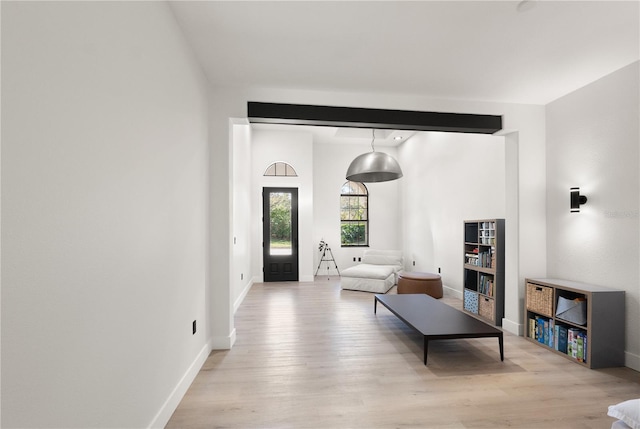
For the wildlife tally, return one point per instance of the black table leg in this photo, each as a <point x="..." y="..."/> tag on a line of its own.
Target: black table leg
<point x="501" y="343"/>
<point x="426" y="348"/>
<point x="375" y="305"/>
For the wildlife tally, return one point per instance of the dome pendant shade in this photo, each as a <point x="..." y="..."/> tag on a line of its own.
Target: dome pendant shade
<point x="374" y="167"/>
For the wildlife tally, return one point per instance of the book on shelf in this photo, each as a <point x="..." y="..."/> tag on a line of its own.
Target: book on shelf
<point x="580" y="347"/>
<point x="581" y="340"/>
<point x="573" y="337"/>
<point x="548" y="333"/>
<point x="570" y="333"/>
<point x="486" y="285"/>
<point x="486" y="258"/>
<point x="561" y="338"/>
<point x="542" y="330"/>
<point x="577" y="344"/>
<point x="532" y="328"/>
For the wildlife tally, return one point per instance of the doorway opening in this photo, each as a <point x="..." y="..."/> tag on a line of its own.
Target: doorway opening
<point x="280" y="234"/>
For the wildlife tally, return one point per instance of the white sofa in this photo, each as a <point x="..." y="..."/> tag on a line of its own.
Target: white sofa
<point x="377" y="273"/>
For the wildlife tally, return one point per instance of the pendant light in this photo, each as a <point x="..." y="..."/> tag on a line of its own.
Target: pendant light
<point x="374" y="166"/>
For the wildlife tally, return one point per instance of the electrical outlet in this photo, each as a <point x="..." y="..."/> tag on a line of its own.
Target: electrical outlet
<point x="359" y="259"/>
<point x="241" y="276"/>
<point x="193" y="328"/>
<point x="439" y="270"/>
<point x="354" y="259"/>
<point x="414" y="263"/>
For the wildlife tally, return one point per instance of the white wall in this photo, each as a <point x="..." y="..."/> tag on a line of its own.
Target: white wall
<point x="449" y="178"/>
<point x="593" y="143"/>
<point x="296" y="149"/>
<point x="104" y="214"/>
<point x="241" y="273"/>
<point x="331" y="162"/>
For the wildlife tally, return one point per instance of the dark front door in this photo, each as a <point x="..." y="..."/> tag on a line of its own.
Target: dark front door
<point x="280" y="234"/>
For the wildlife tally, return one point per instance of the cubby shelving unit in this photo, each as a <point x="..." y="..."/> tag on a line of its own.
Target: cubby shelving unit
<point x="483" y="278"/>
<point x="599" y="331"/>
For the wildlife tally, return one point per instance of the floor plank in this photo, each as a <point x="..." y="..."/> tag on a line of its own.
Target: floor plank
<point x="310" y="355"/>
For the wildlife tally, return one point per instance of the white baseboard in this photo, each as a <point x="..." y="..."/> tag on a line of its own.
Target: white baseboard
<point x="243" y="294"/>
<point x="224" y="343"/>
<point x="162" y="417"/>
<point x="446" y="290"/>
<point x="512" y="327"/>
<point x="632" y="361"/>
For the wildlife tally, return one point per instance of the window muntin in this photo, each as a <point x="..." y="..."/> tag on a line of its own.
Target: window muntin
<point x="280" y="169"/>
<point x="354" y="215"/>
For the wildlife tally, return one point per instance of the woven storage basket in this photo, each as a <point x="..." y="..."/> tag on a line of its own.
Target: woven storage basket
<point x="485" y="307"/>
<point x="540" y="299"/>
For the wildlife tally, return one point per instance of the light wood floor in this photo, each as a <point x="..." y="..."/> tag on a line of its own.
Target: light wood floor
<point x="310" y="355"/>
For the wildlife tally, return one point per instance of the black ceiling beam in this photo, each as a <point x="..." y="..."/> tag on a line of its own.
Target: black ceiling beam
<point x="356" y="117"/>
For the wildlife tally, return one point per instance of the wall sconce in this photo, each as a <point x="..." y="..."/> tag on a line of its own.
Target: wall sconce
<point x="576" y="200"/>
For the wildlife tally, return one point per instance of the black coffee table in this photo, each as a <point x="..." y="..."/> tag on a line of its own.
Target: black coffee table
<point x="436" y="320"/>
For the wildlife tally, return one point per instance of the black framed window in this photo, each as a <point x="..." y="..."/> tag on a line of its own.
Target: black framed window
<point x="354" y="215"/>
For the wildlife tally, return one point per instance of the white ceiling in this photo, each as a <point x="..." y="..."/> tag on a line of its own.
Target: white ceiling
<point x="476" y="50"/>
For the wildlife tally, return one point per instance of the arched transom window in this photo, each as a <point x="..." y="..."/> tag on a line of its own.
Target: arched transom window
<point x="280" y="169"/>
<point x="354" y="215"/>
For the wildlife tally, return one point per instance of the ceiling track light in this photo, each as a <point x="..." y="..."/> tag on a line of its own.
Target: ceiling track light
<point x="374" y="166"/>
